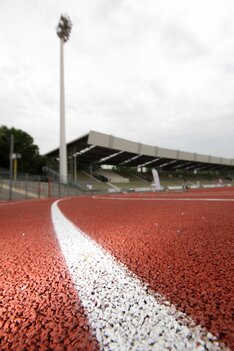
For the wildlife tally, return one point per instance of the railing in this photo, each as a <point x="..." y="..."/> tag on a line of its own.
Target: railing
<point x="27" y="187"/>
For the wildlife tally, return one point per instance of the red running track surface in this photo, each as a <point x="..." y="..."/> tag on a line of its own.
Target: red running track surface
<point x="39" y="308"/>
<point x="182" y="249"/>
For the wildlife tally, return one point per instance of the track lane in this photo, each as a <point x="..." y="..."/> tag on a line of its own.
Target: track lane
<point x="39" y="307"/>
<point x="30" y="253"/>
<point x="184" y="251"/>
<point x="123" y="312"/>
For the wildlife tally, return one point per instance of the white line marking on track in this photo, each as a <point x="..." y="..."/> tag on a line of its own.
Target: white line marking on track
<point x="160" y="199"/>
<point x="123" y="313"/>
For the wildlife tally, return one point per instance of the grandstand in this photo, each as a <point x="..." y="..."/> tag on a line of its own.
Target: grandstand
<point x="101" y="163"/>
<point x="110" y="163"/>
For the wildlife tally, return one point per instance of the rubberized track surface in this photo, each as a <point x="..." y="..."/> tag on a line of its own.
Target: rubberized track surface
<point x="39" y="308"/>
<point x="182" y="248"/>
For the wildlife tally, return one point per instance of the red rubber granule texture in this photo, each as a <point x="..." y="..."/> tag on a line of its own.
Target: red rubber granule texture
<point x="182" y="249"/>
<point x="39" y="307"/>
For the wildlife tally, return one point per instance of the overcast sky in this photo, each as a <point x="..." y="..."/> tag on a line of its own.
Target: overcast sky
<point x="160" y="72"/>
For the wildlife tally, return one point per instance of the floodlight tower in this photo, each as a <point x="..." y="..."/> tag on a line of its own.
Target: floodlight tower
<point x="63" y="32"/>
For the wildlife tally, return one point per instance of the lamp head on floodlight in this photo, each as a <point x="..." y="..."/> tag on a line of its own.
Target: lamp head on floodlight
<point x="64" y="27"/>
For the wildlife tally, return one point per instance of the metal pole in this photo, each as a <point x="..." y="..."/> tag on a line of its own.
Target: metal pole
<point x="11" y="165"/>
<point x="75" y="171"/>
<point x="62" y="149"/>
<point x="26" y="186"/>
<point x="91" y="172"/>
<point x="59" y="189"/>
<point x="49" y="187"/>
<point x="15" y="168"/>
<point x="39" y="187"/>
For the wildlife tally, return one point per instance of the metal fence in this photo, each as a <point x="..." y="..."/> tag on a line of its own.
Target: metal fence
<point x="27" y="187"/>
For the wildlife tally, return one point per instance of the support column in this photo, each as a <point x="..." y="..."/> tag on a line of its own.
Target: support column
<point x="63" y="147"/>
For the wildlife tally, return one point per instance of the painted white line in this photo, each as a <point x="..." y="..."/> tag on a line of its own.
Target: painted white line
<point x="160" y="199"/>
<point x="122" y="312"/>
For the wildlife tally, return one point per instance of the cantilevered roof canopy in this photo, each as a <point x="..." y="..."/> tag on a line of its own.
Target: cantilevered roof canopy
<point x="99" y="148"/>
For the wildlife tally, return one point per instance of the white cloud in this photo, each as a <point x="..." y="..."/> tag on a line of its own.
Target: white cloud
<point x="159" y="72"/>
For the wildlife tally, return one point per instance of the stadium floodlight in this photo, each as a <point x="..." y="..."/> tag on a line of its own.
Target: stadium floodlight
<point x="63" y="32"/>
<point x="64" y="28"/>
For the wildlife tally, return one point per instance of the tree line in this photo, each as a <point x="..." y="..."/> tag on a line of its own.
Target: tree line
<point x="30" y="160"/>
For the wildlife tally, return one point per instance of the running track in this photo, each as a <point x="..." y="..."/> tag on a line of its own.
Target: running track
<point x="177" y="248"/>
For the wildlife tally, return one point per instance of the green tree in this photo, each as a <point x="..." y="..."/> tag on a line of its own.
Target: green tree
<point x="31" y="161"/>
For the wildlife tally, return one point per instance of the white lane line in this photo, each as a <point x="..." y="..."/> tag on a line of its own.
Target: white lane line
<point x="122" y="312"/>
<point x="160" y="199"/>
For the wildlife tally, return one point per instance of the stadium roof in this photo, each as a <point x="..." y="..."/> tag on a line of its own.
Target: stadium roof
<point x="99" y="148"/>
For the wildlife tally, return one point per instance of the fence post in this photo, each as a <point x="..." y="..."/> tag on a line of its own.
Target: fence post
<point x="39" y="187"/>
<point x="11" y="166"/>
<point x="91" y="172"/>
<point x="49" y="187"/>
<point x="68" y="189"/>
<point x="59" y="189"/>
<point x="26" y="186"/>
